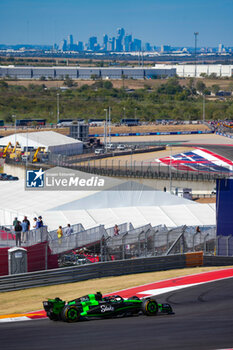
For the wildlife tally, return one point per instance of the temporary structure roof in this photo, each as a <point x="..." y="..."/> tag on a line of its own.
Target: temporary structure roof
<point x="50" y="140"/>
<point x="103" y="207"/>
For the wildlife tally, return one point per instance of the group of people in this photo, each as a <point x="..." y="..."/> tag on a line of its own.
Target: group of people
<point x="68" y="231"/>
<point x="22" y="228"/>
<point x="38" y="222"/>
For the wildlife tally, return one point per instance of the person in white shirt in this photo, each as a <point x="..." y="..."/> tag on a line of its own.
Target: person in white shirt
<point x="69" y="230"/>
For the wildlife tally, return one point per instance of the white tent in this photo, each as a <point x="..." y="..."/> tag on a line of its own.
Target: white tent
<point x="101" y="207"/>
<point x="50" y="140"/>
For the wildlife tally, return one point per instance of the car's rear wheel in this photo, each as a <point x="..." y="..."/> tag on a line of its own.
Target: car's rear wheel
<point x="52" y="316"/>
<point x="150" y="307"/>
<point x="70" y="314"/>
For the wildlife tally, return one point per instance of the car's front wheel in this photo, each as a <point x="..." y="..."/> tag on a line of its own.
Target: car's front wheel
<point x="150" y="307"/>
<point x="70" y="313"/>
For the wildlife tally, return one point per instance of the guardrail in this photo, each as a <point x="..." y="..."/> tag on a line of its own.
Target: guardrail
<point x="107" y="269"/>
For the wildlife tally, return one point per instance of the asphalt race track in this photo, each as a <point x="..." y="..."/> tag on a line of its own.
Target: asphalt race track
<point x="225" y="151"/>
<point x="203" y="320"/>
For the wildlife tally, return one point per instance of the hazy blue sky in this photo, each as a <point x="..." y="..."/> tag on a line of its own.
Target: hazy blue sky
<point x="156" y="21"/>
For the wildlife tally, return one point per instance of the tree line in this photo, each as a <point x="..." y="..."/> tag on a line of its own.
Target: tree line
<point x="169" y="100"/>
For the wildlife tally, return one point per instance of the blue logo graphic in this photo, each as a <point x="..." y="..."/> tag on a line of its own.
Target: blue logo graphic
<point x="35" y="178"/>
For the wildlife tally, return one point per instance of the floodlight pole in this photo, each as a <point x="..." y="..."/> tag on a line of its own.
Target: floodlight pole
<point x="195" y="54"/>
<point x="170" y="170"/>
<point x="203" y="108"/>
<point x="105" y="129"/>
<point x="109" y="116"/>
<point x="58" y="110"/>
<point x="14" y="116"/>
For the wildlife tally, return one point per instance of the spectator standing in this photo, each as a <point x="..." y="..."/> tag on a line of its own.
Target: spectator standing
<point x="40" y="222"/>
<point x="27" y="221"/>
<point x="18" y="229"/>
<point x="116" y="230"/>
<point x="24" y="231"/>
<point x="25" y="228"/>
<point x="69" y="230"/>
<point x="35" y="223"/>
<point x="15" y="222"/>
<point x="59" y="234"/>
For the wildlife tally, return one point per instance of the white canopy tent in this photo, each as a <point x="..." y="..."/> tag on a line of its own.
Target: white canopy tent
<point x="91" y="208"/>
<point x="50" y="140"/>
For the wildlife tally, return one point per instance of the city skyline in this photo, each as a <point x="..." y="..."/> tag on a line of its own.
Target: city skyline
<point x="125" y="42"/>
<point x="45" y="22"/>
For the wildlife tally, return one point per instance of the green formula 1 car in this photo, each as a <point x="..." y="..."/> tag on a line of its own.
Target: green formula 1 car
<point x="97" y="306"/>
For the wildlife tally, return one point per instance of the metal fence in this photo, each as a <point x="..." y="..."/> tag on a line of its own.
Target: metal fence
<point x="8" y="239"/>
<point x="127" y="226"/>
<point x="158" y="241"/>
<point x="144" y="241"/>
<point x="76" y="229"/>
<point x="77" y="240"/>
<point x="132" y="168"/>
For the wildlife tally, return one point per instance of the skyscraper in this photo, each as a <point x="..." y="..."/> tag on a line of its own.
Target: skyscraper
<point x="70" y="42"/>
<point x="119" y="46"/>
<point x="137" y="45"/>
<point x="63" y="45"/>
<point x="120" y="32"/>
<point x="111" y="44"/>
<point x="147" y="47"/>
<point x="79" y="46"/>
<point x="105" y="42"/>
<point x="119" y="39"/>
<point x="127" y="43"/>
<point x="92" y="43"/>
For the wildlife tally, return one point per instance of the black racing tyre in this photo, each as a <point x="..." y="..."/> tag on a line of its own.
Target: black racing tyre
<point x="134" y="297"/>
<point x="150" y="307"/>
<point x="52" y="316"/>
<point x="70" y="313"/>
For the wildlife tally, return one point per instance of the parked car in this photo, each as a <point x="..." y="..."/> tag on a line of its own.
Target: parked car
<point x="13" y="178"/>
<point x="4" y="176"/>
<point x="99" y="151"/>
<point x="121" y="147"/>
<point x="111" y="147"/>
